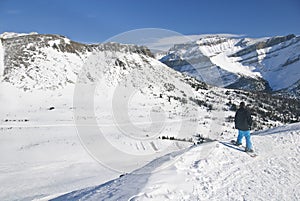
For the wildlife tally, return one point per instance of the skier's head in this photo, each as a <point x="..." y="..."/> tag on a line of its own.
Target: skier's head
<point x="242" y="105"/>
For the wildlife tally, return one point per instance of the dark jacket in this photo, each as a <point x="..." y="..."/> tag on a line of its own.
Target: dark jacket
<point x="242" y="119"/>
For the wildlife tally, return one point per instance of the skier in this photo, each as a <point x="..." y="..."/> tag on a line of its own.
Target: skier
<point x="243" y="123"/>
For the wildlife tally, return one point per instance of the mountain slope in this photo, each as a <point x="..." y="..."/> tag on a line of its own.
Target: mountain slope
<point x="253" y="64"/>
<point x="50" y="62"/>
<point x="223" y="173"/>
<point x="41" y="61"/>
<point x="66" y="106"/>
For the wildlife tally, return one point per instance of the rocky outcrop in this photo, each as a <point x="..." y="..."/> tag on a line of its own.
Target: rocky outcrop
<point x="263" y="44"/>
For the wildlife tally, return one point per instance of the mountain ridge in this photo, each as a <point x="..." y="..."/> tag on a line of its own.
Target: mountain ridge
<point x="229" y="61"/>
<point x="129" y="104"/>
<point x="51" y="62"/>
<point x="30" y="57"/>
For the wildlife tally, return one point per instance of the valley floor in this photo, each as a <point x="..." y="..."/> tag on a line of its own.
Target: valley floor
<point x="41" y="160"/>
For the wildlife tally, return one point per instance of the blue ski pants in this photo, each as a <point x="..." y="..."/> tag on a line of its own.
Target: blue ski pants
<point x="247" y="136"/>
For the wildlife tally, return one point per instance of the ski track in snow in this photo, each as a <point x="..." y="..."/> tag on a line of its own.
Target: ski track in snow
<point x="222" y="174"/>
<point x="86" y="125"/>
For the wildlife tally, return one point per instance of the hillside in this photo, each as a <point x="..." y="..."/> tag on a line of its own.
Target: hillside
<point x="45" y="61"/>
<point x="37" y="62"/>
<point x="66" y="106"/>
<point x="212" y="171"/>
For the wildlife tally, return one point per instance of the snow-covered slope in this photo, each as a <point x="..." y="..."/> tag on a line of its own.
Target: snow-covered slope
<point x="40" y="61"/>
<point x="255" y="64"/>
<point x="213" y="171"/>
<point x="55" y="92"/>
<point x="50" y="61"/>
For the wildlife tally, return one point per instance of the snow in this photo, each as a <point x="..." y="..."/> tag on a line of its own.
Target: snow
<point x="1" y="59"/>
<point x="213" y="171"/>
<point x="49" y="159"/>
<point x="227" y="174"/>
<point x="229" y="65"/>
<point x="166" y="43"/>
<point x="7" y="35"/>
<point x="97" y="131"/>
<point x="45" y="159"/>
<point x="38" y="160"/>
<point x="54" y="42"/>
<point x="209" y="60"/>
<point x="67" y="41"/>
<point x="52" y="69"/>
<point x="274" y="69"/>
<point x="43" y="154"/>
<point x="273" y="63"/>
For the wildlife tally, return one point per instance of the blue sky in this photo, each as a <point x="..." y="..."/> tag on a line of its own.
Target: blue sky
<point x="98" y="20"/>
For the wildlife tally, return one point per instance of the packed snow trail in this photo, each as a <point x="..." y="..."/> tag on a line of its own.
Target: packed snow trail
<point x="213" y="171"/>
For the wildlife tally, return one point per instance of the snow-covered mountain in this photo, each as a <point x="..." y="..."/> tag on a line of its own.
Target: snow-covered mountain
<point x="37" y="61"/>
<point x="266" y="64"/>
<point x="53" y="91"/>
<point x="49" y="62"/>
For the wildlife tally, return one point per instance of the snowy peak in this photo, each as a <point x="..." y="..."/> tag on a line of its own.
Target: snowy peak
<point x="235" y="62"/>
